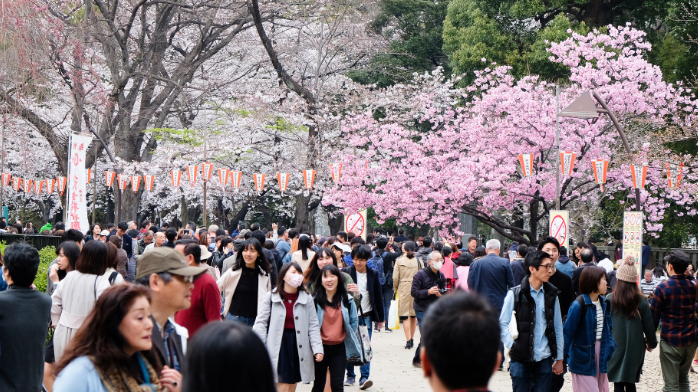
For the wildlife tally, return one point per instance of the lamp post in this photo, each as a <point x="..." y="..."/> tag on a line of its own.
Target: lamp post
<point x="584" y="107"/>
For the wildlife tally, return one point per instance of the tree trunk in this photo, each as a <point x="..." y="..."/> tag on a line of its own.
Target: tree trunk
<point x="533" y="221"/>
<point x="336" y="223"/>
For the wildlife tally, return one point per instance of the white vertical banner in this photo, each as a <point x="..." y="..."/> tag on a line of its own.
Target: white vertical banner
<point x="77" y="183"/>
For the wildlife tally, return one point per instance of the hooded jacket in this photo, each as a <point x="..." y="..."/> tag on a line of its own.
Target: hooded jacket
<point x="564" y="265"/>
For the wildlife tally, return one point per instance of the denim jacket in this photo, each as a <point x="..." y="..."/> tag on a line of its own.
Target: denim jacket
<point x="580" y="339"/>
<point x="351" y="325"/>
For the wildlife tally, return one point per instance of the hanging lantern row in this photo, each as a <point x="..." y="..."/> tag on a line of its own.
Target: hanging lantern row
<point x="600" y="168"/>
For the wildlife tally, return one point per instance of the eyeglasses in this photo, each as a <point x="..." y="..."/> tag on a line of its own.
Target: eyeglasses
<point x="184" y="279"/>
<point x="550" y="267"/>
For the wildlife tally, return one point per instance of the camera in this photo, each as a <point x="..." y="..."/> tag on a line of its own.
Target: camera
<point x="443" y="291"/>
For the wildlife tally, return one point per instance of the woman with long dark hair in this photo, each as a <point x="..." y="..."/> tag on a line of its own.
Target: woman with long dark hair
<point x="207" y="366"/>
<point x="246" y="283"/>
<point x="112" y="351"/>
<point x="76" y="295"/>
<point x="338" y="321"/>
<point x="288" y="325"/>
<point x="633" y="328"/>
<point x="322" y="258"/>
<point x="406" y="266"/>
<point x="304" y="253"/>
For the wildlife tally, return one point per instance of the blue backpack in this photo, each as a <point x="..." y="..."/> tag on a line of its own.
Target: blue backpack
<point x="376" y="264"/>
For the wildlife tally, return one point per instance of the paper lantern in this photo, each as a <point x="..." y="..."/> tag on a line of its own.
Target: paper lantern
<point x="600" y="167"/>
<point x="16" y="183"/>
<point x="135" y="183"/>
<point x="336" y="171"/>
<point x="283" y="181"/>
<point x="61" y="184"/>
<point x="176" y="177"/>
<point x="567" y="160"/>
<point x="149" y="181"/>
<point x="122" y="180"/>
<point x="206" y="169"/>
<point x="27" y="185"/>
<point x="223" y="176"/>
<point x="235" y="179"/>
<point x="639" y="173"/>
<point x="6" y="179"/>
<point x="674" y="173"/>
<point x="109" y="176"/>
<point x="259" y="182"/>
<point x="50" y="184"/>
<point x="526" y="161"/>
<point x="89" y="176"/>
<point x="192" y="170"/>
<point x="37" y="186"/>
<point x="309" y="178"/>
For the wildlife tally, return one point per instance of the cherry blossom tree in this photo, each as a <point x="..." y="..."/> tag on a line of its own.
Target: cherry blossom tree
<point x="459" y="151"/>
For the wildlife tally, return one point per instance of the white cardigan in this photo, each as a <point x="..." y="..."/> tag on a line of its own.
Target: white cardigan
<point x="229" y="282"/>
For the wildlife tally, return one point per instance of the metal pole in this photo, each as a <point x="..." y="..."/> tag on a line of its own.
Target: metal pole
<point x="615" y="122"/>
<point x="557" y="148"/>
<point x="94" y="194"/>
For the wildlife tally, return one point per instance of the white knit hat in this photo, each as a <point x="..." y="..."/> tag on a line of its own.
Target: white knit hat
<point x="627" y="271"/>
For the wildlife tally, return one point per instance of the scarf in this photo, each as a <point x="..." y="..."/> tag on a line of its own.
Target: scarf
<point x="117" y="381"/>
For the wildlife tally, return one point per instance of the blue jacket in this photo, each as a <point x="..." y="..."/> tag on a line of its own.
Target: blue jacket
<point x="351" y="325"/>
<point x="564" y="265"/>
<point x="580" y="339"/>
<point x="646" y="252"/>
<point x="284" y="248"/>
<point x="491" y="277"/>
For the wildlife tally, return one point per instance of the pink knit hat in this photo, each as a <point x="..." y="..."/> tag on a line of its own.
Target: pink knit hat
<point x="627" y="271"/>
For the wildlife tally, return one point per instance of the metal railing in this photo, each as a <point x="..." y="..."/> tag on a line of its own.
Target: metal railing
<point x="37" y="241"/>
<point x="657" y="255"/>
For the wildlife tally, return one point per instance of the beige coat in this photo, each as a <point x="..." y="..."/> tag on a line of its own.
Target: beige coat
<point x="297" y="257"/>
<point x="405" y="269"/>
<point x="229" y="281"/>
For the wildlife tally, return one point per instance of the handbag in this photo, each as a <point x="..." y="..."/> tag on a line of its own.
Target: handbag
<point x="364" y="342"/>
<point x="513" y="327"/>
<point x="392" y="315"/>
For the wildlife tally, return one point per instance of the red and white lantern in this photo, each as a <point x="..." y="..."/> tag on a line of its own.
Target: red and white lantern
<point x="235" y="179"/>
<point x="600" y="167"/>
<point x="336" y="171"/>
<point x="109" y="176"/>
<point x="192" y="171"/>
<point x="567" y="159"/>
<point x="37" y="186"/>
<point x="259" y="179"/>
<point x="50" y="184"/>
<point x="176" y="177"/>
<point x="61" y="184"/>
<point x="6" y="179"/>
<point x="674" y="173"/>
<point x="308" y="178"/>
<point x="149" y="182"/>
<point x="223" y="176"/>
<point x="16" y="183"/>
<point x="27" y="185"/>
<point x="639" y="173"/>
<point x="135" y="183"/>
<point x="123" y="181"/>
<point x="89" y="175"/>
<point x="206" y="170"/>
<point x="526" y="161"/>
<point x="283" y="179"/>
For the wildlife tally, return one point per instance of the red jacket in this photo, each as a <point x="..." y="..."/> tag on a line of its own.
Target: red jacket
<point x="205" y="305"/>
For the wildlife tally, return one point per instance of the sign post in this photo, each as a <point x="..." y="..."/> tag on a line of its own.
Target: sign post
<point x="356" y="223"/>
<point x="632" y="238"/>
<point x="560" y="227"/>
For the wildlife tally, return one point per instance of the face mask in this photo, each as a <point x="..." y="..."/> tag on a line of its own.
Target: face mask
<point x="294" y="280"/>
<point x="438" y="265"/>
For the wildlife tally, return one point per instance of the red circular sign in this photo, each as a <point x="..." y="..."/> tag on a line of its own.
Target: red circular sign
<point x="558" y="229"/>
<point x="355" y="223"/>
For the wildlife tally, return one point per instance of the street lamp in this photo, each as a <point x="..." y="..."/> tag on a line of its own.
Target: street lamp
<point x="584" y="107"/>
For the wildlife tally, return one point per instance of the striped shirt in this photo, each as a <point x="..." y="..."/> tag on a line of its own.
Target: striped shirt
<point x="673" y="302"/>
<point x="648" y="287"/>
<point x="599" y="319"/>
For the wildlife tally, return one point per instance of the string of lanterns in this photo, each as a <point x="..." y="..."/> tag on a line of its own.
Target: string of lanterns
<point x="600" y="169"/>
<point x="224" y="176"/>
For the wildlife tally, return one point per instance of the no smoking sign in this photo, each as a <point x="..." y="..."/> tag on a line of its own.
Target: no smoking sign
<point x="356" y="223"/>
<point x="559" y="227"/>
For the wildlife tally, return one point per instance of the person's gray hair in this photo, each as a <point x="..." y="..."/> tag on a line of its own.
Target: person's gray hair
<point x="431" y="255"/>
<point x="145" y="281"/>
<point x="650" y="271"/>
<point x="493" y="244"/>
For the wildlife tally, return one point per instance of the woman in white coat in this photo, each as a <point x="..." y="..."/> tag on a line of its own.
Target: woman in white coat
<point x="288" y="325"/>
<point x="246" y="283"/>
<point x="76" y="295"/>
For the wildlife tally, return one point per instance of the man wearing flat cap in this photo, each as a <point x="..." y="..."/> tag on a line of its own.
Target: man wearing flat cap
<point x="171" y="281"/>
<point x="673" y="303"/>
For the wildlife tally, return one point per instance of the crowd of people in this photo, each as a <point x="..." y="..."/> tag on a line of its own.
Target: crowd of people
<point x="160" y="308"/>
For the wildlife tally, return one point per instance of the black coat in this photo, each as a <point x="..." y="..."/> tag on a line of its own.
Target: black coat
<point x="566" y="296"/>
<point x="24" y="316"/>
<point x="373" y="286"/>
<point x="160" y="345"/>
<point x="422" y="281"/>
<point x="517" y="268"/>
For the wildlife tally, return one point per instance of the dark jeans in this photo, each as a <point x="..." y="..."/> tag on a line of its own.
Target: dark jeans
<point x="365" y="369"/>
<point x="624" y="387"/>
<point x="387" y="297"/>
<point x="245" y="320"/>
<point x="336" y="360"/>
<point x="420" y="316"/>
<point x="525" y="375"/>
